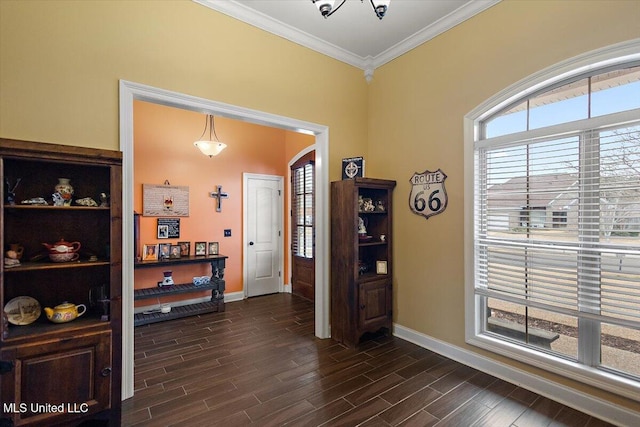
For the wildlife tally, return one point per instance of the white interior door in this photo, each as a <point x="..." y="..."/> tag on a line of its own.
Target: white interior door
<point x="263" y="234"/>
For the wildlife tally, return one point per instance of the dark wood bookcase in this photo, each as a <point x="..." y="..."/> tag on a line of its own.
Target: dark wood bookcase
<point x="61" y="373"/>
<point x="361" y="262"/>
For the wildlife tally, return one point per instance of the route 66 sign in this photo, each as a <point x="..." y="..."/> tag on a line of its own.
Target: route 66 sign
<point x="428" y="196"/>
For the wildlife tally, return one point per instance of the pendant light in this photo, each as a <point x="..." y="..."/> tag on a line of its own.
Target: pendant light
<point x="210" y="147"/>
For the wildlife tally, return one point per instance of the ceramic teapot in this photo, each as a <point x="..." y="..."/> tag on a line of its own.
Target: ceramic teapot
<point x="63" y="251"/>
<point x="65" y="312"/>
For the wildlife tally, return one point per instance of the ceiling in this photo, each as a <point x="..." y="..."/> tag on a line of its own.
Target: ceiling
<point x="354" y="34"/>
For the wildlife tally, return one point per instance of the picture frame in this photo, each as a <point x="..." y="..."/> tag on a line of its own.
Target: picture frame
<point x="164" y="250"/>
<point x="185" y="248"/>
<point x="381" y="267"/>
<point x="213" y="248"/>
<point x="175" y="252"/>
<point x="163" y="231"/>
<point x="150" y="252"/>
<point x="201" y="248"/>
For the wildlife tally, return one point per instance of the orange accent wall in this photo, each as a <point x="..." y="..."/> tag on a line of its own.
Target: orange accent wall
<point x="164" y="151"/>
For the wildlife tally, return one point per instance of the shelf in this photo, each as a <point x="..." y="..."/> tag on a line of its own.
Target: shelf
<point x="160" y="291"/>
<point x="371" y="243"/>
<point x="32" y="266"/>
<point x="42" y="327"/>
<point x="178" y="261"/>
<point x="176" y="313"/>
<point x="55" y="208"/>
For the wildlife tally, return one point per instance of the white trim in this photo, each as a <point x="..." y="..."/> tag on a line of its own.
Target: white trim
<point x="573" y="398"/>
<point x="130" y="91"/>
<point x="245" y="224"/>
<point x="368" y="63"/>
<point x="606" y="57"/>
<point x="233" y="296"/>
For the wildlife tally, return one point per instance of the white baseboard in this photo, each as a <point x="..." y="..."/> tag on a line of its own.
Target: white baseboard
<point x="586" y="403"/>
<point x="234" y="296"/>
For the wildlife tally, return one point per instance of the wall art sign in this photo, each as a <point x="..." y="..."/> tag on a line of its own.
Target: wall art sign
<point x="428" y="196"/>
<point x="165" y="200"/>
<point x="168" y="228"/>
<point x="352" y="167"/>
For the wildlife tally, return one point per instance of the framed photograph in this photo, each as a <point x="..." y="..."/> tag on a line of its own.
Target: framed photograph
<point x="185" y="248"/>
<point x="150" y="252"/>
<point x="175" y="251"/>
<point x="381" y="267"/>
<point x="213" y="248"/>
<point x="163" y="231"/>
<point x="164" y="250"/>
<point x="201" y="248"/>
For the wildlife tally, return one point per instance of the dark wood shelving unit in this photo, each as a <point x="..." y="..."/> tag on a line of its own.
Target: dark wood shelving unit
<point x="361" y="295"/>
<point x="79" y="361"/>
<point x="216" y="286"/>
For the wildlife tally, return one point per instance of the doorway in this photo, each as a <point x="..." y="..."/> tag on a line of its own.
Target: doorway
<point x="130" y="91"/>
<point x="263" y="234"/>
<point x="303" y="228"/>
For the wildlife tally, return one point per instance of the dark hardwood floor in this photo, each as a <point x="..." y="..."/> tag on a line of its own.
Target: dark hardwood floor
<point x="258" y="363"/>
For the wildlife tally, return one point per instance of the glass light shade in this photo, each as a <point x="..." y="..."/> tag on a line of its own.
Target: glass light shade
<point x="324" y="6"/>
<point x="210" y="148"/>
<point x="380" y="7"/>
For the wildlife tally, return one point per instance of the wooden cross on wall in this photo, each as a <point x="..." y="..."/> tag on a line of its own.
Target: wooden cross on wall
<point x="219" y="195"/>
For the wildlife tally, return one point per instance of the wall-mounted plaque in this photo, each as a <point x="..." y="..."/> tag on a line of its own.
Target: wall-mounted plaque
<point x="165" y="200"/>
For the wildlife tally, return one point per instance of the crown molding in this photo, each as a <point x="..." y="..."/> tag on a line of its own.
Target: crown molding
<point x="279" y="28"/>
<point x="369" y="63"/>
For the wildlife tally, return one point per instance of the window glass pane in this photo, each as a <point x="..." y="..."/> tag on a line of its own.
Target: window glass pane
<point x="564" y="104"/>
<point x="308" y="242"/>
<point x="620" y="348"/>
<point x="549" y="331"/>
<point x="511" y="121"/>
<point x="530" y="185"/>
<point x="615" y="91"/>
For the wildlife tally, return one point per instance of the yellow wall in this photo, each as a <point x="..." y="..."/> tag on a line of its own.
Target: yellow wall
<point x="60" y="62"/>
<point x="417" y="104"/>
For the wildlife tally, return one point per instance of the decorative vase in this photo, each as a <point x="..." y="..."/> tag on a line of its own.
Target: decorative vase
<point x="65" y="190"/>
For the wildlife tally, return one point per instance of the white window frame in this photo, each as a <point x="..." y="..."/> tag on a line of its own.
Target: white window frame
<point x="474" y="308"/>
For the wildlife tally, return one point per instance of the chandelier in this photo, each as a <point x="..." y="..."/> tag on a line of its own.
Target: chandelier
<point x="326" y="7"/>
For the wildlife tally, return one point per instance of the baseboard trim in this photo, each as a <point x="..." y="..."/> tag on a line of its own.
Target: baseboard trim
<point x="586" y="403"/>
<point x="233" y="296"/>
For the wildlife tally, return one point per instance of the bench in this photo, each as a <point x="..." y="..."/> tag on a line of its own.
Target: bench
<point x="537" y="336"/>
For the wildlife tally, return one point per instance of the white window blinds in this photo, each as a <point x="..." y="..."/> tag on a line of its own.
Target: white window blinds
<point x="557" y="218"/>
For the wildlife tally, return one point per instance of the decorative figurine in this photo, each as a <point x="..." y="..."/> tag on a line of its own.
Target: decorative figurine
<point x="11" y="191"/>
<point x="104" y="200"/>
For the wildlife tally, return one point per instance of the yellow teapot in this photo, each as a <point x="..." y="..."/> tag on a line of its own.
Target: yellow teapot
<point x="65" y="312"/>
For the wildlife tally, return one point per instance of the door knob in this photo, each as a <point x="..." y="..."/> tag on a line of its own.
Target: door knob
<point x="250" y="243"/>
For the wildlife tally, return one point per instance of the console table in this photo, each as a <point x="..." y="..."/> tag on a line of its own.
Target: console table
<point x="216" y="286"/>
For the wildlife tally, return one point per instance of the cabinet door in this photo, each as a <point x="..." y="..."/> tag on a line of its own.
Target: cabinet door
<point x="374" y="304"/>
<point x="56" y="380"/>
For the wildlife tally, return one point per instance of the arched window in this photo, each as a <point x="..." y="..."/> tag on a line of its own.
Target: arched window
<point x="556" y="223"/>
